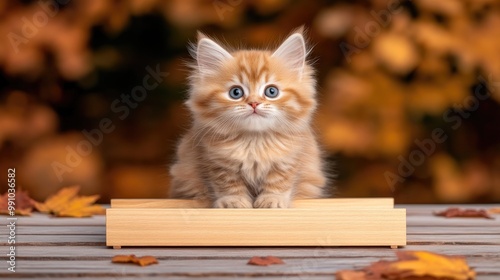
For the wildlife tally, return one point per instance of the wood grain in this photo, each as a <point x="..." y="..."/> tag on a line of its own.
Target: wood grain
<point x="101" y="252"/>
<point x="331" y="222"/>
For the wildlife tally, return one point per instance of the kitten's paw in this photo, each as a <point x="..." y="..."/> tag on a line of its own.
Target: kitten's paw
<point x="271" y="201"/>
<point x="233" y="201"/>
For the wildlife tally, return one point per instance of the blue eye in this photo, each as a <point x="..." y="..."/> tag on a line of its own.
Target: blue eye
<point x="236" y="92"/>
<point x="271" y="92"/>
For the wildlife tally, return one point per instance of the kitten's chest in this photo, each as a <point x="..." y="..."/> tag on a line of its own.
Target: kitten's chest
<point x="255" y="166"/>
<point x="256" y="156"/>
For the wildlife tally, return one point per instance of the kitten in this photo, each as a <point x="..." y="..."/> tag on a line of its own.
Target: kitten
<point x="251" y="143"/>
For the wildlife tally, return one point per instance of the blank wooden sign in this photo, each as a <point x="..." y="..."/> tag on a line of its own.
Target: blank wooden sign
<point x="314" y="222"/>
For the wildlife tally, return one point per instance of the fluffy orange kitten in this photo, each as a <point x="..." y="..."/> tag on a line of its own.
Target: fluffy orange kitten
<point x="251" y="143"/>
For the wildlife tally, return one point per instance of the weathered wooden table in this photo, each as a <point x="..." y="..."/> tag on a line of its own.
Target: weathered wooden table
<point x="67" y="248"/>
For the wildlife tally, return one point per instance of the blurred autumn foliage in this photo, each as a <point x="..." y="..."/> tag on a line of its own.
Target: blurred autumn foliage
<point x="409" y="91"/>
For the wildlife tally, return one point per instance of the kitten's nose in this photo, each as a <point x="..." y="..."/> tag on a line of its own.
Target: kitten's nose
<point x="254" y="104"/>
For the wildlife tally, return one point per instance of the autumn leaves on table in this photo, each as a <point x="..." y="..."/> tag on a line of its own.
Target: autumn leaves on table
<point x="141" y="261"/>
<point x="413" y="265"/>
<point x="65" y="203"/>
<point x="409" y="265"/>
<point x="454" y="212"/>
<point x="149" y="260"/>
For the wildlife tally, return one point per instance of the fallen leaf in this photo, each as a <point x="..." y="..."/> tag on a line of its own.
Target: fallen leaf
<point x="413" y="265"/>
<point x="23" y="203"/>
<point x="265" y="261"/>
<point x="124" y="259"/>
<point x="421" y="263"/>
<point x="377" y="270"/>
<point x="463" y="213"/>
<point x="59" y="201"/>
<point x="495" y="210"/>
<point x="142" y="261"/>
<point x="350" y="275"/>
<point x="66" y="203"/>
<point x="81" y="207"/>
<point x="147" y="260"/>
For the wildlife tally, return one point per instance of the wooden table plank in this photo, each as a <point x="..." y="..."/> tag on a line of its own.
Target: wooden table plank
<point x="57" y="230"/>
<point x="193" y="267"/>
<point x="100" y="239"/>
<point x="471" y="239"/>
<point x="451" y="230"/>
<point x="221" y="277"/>
<point x="207" y="277"/>
<point x="415" y="215"/>
<point x="38" y="219"/>
<point x="58" y="240"/>
<point x="317" y="266"/>
<point x="433" y="221"/>
<point x="101" y="230"/>
<point x="103" y="252"/>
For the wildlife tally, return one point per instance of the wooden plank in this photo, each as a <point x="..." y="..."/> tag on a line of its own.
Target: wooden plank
<point x="226" y="267"/>
<point x="156" y="203"/>
<point x="209" y="267"/>
<point x="58" y="240"/>
<point x="439" y="207"/>
<point x="215" y="277"/>
<point x="56" y="230"/>
<point x="101" y="230"/>
<point x="99" y="240"/>
<point x="451" y="230"/>
<point x="221" y="226"/>
<point x="345" y="203"/>
<point x="201" y="253"/>
<point x="223" y="277"/>
<point x="38" y="219"/>
<point x="254" y="227"/>
<point x="45" y="225"/>
<point x="421" y="220"/>
<point x="433" y="221"/>
<point x="469" y="239"/>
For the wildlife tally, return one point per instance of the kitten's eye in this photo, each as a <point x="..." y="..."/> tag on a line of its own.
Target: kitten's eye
<point x="236" y="92"/>
<point x="271" y="92"/>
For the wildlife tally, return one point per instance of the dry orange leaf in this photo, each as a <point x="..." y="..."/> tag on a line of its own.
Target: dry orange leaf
<point x="463" y="213"/>
<point x="350" y="275"/>
<point x="265" y="261"/>
<point x="66" y="203"/>
<point x="421" y="263"/>
<point x="23" y="203"/>
<point x="142" y="261"/>
<point x="495" y="210"/>
<point x="147" y="260"/>
<point x="413" y="265"/>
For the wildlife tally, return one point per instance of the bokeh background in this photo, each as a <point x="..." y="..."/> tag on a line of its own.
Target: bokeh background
<point x="409" y="91"/>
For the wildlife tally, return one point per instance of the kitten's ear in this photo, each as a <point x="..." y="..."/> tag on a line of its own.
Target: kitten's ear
<point x="293" y="52"/>
<point x="209" y="55"/>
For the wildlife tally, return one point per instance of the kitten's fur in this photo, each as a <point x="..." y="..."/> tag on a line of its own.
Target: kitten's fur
<point x="236" y="157"/>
